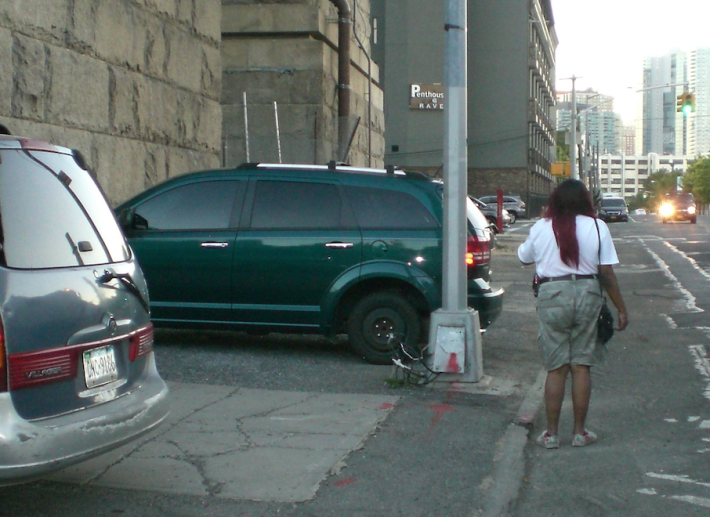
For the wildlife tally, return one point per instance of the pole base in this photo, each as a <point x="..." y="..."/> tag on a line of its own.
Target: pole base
<point x="455" y="345"/>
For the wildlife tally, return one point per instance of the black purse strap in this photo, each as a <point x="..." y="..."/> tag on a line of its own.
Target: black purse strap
<point x="599" y="258"/>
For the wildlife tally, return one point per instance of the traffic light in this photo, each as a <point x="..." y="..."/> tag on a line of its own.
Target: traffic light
<point x="685" y="103"/>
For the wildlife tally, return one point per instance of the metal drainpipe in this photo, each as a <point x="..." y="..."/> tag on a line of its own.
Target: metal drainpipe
<point x="344" y="31"/>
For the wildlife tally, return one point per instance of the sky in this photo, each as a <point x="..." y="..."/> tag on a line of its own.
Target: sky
<point x="603" y="43"/>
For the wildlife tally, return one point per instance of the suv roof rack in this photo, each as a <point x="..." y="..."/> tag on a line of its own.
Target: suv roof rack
<point x="333" y="166"/>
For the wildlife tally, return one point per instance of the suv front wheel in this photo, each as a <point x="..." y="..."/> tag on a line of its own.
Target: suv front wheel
<point x="376" y="317"/>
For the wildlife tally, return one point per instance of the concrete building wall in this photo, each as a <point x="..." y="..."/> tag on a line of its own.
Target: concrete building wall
<point x="282" y="59"/>
<point x="134" y="85"/>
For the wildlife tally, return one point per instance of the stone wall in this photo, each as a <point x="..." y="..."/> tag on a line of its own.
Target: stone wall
<point x="283" y="55"/>
<point x="134" y="84"/>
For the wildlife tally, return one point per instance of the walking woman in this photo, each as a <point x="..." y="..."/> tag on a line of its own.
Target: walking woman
<point x="564" y="245"/>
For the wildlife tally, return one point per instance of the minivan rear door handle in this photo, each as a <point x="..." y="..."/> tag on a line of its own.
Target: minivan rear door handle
<point x="339" y="245"/>
<point x="214" y="244"/>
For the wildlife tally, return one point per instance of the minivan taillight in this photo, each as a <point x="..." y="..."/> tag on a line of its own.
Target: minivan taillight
<point x="478" y="251"/>
<point x="141" y="342"/>
<point x="3" y="360"/>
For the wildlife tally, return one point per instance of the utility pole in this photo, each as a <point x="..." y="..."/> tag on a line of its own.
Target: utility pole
<point x="574" y="171"/>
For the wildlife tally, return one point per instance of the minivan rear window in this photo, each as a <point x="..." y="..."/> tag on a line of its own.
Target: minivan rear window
<point x="54" y="214"/>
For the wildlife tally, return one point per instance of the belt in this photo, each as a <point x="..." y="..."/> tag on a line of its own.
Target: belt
<point x="567" y="277"/>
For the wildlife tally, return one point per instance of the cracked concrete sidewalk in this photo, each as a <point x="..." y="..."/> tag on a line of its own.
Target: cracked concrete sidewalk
<point x="237" y="443"/>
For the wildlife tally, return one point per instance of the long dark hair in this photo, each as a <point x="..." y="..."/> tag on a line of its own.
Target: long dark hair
<point x="570" y="199"/>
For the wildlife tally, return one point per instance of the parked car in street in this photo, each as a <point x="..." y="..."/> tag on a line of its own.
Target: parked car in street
<point x="491" y="213"/>
<point x="640" y="211"/>
<point x="77" y="371"/>
<point x="678" y="206"/>
<point x="304" y="249"/>
<point x="613" y="209"/>
<point x="513" y="204"/>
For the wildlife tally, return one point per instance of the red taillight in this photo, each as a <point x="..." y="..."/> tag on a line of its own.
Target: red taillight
<point x="3" y="360"/>
<point x="478" y="251"/>
<point x="62" y="363"/>
<point x="141" y="342"/>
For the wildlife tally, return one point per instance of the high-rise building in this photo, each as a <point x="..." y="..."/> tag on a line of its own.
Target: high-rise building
<point x="598" y="126"/>
<point x="663" y="129"/>
<point x="629" y="140"/>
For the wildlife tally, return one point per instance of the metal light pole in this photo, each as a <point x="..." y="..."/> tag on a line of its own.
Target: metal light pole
<point x="455" y="334"/>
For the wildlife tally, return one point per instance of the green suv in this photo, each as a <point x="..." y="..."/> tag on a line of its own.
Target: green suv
<point x="303" y="249"/>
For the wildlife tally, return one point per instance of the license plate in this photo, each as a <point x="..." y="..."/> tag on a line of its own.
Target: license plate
<point x="613" y="217"/>
<point x="100" y="366"/>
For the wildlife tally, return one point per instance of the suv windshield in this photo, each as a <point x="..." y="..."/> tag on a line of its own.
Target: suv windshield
<point x="613" y="203"/>
<point x="53" y="214"/>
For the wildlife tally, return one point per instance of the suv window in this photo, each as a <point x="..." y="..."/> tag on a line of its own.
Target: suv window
<point x="54" y="214"/>
<point x="613" y="202"/>
<point x="205" y="205"/>
<point x="388" y="209"/>
<point x="292" y="205"/>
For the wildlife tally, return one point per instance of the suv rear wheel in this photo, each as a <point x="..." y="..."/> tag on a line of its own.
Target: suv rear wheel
<point x="377" y="316"/>
<point x="513" y="216"/>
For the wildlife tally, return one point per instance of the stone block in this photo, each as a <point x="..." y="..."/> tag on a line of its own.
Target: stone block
<point x="7" y="75"/>
<point x="157" y="103"/>
<point x="155" y="49"/>
<point x="211" y="72"/>
<point x="165" y="8"/>
<point x="208" y="18"/>
<point x="36" y="18"/>
<point x="31" y="84"/>
<point x="123" y="99"/>
<point x="79" y="93"/>
<point x="184" y="66"/>
<point x="270" y="18"/>
<point x="81" y="33"/>
<point x="115" y="25"/>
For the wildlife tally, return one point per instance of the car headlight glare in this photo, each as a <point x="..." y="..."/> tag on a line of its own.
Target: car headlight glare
<point x="666" y="209"/>
<point x="691" y="209"/>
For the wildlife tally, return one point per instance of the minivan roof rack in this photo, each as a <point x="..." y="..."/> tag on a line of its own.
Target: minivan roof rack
<point x="332" y="166"/>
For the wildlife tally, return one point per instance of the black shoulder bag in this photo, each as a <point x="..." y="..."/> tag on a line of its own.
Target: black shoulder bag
<point x="605" y="322"/>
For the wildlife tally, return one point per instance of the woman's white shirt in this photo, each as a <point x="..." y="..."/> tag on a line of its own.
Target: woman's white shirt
<point x="541" y="248"/>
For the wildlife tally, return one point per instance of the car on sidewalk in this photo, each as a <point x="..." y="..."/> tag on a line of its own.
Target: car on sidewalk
<point x="77" y="371"/>
<point x="304" y="249"/>
<point x="491" y="213"/>
<point x="678" y="207"/>
<point x="513" y="204"/>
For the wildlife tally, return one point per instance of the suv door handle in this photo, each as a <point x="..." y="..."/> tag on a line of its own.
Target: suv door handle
<point x="214" y="244"/>
<point x="339" y="245"/>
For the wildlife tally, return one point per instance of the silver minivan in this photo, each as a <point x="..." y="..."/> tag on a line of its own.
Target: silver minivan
<point x="77" y="369"/>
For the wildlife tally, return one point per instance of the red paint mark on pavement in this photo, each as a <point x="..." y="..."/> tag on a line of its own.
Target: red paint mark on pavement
<point x="344" y="482"/>
<point x="386" y="406"/>
<point x="440" y="410"/>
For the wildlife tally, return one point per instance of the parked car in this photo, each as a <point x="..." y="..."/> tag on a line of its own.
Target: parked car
<point x="613" y="209"/>
<point x="77" y="371"/>
<point x="640" y="211"/>
<point x="678" y="207"/>
<point x="491" y="213"/>
<point x="303" y="249"/>
<point x="513" y="204"/>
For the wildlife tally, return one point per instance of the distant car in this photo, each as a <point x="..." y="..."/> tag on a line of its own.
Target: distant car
<point x="613" y="209"/>
<point x="304" y="249"/>
<point x="513" y="204"/>
<point x="640" y="211"/>
<point x="678" y="207"/>
<point x="77" y="372"/>
<point x="491" y="213"/>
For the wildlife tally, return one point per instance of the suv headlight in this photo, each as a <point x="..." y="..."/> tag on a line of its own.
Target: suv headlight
<point x="691" y="209"/>
<point x="666" y="209"/>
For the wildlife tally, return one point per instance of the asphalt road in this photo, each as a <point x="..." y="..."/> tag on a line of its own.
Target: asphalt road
<point x="448" y="452"/>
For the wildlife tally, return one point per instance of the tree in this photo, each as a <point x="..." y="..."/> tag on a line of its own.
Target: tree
<point x="697" y="180"/>
<point x="562" y="147"/>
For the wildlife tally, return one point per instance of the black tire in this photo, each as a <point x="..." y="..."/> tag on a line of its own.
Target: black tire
<point x="693" y="221"/>
<point x="513" y="217"/>
<point x="372" y="321"/>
